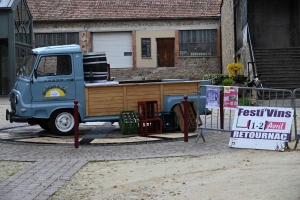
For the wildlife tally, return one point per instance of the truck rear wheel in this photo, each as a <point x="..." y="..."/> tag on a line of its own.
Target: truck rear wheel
<point x="62" y="122"/>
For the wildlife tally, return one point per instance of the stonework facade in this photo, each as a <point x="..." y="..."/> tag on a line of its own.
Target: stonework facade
<point x="192" y="67"/>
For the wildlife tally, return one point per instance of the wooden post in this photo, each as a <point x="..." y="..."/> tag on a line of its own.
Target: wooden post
<point x="221" y="109"/>
<point x="185" y="114"/>
<point x="76" y="144"/>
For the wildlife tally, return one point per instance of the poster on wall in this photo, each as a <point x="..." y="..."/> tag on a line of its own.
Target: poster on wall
<point x="230" y="97"/>
<point x="212" y="96"/>
<point x="261" y="128"/>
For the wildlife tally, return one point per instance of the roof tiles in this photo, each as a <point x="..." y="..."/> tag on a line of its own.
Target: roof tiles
<point x="44" y="10"/>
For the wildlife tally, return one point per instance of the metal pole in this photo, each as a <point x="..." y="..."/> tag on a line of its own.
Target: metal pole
<point x="221" y="109"/>
<point x="76" y="144"/>
<point x="186" y="123"/>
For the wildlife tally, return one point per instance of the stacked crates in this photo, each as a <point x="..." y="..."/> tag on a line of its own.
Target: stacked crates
<point x="170" y="122"/>
<point x="149" y="121"/>
<point x="128" y="122"/>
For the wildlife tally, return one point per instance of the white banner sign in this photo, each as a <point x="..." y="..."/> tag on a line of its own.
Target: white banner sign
<point x="261" y="128"/>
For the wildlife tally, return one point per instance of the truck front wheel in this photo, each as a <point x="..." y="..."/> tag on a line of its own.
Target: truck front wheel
<point x="62" y="122"/>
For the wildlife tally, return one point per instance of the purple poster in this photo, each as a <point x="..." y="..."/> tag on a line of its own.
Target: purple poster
<point x="212" y="97"/>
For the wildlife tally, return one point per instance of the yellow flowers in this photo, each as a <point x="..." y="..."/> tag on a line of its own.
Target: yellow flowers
<point x="234" y="69"/>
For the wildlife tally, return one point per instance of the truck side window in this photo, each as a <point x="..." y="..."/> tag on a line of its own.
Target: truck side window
<point x="54" y="65"/>
<point x="64" y="65"/>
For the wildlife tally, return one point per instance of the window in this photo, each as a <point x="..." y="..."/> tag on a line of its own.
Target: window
<point x="146" y="47"/>
<point x="51" y="39"/>
<point x="198" y="43"/>
<point x="54" y="66"/>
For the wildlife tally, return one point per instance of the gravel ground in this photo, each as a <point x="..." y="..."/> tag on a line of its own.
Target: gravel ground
<point x="242" y="174"/>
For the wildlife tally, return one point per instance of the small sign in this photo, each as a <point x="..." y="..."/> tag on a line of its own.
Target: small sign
<point x="261" y="128"/>
<point x="230" y="97"/>
<point x="127" y="53"/>
<point x="212" y="97"/>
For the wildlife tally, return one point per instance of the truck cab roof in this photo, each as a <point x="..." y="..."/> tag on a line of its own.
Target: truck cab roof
<point x="73" y="48"/>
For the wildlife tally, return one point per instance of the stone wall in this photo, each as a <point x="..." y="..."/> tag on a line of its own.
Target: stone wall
<point x="123" y="25"/>
<point x="192" y="68"/>
<point x="185" y="67"/>
<point x="227" y="35"/>
<point x="245" y="58"/>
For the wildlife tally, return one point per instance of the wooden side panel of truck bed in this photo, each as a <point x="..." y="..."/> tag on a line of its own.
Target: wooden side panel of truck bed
<point x="103" y="100"/>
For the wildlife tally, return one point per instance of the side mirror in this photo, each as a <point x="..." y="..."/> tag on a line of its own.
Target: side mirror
<point x="35" y="73"/>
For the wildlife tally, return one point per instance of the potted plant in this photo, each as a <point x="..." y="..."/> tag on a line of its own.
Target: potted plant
<point x="236" y="72"/>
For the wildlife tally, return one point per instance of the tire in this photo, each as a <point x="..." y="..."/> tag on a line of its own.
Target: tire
<point x="45" y="125"/>
<point x="262" y="94"/>
<point x="62" y="122"/>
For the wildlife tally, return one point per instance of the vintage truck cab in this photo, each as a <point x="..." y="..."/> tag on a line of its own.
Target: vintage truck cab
<point x="47" y="84"/>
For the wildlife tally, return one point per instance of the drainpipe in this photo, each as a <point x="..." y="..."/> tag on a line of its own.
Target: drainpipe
<point x="220" y="25"/>
<point x="235" y="32"/>
<point x="221" y="62"/>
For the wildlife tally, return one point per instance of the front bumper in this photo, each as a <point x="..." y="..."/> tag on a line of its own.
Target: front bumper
<point x="12" y="118"/>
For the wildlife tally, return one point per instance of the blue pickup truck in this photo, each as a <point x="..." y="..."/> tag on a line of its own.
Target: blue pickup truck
<point x="53" y="77"/>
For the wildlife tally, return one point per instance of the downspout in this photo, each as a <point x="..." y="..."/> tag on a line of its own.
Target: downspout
<point x="235" y="31"/>
<point x="221" y="66"/>
<point x="220" y="25"/>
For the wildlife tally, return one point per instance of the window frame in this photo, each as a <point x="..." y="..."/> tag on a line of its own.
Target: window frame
<point x="53" y="39"/>
<point x="200" y="42"/>
<point x="146" y="47"/>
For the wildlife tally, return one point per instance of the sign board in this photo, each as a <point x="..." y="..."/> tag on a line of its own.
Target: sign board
<point x="230" y="97"/>
<point x="212" y="96"/>
<point x="261" y="128"/>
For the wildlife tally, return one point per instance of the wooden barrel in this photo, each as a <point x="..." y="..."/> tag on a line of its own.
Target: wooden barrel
<point x="95" y="67"/>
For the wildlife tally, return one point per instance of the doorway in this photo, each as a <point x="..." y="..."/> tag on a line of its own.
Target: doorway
<point x="4" y="71"/>
<point x="165" y="52"/>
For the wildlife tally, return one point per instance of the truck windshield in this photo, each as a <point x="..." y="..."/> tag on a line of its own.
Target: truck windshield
<point x="28" y="65"/>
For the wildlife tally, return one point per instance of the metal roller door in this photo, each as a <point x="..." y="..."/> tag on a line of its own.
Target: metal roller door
<point x="117" y="46"/>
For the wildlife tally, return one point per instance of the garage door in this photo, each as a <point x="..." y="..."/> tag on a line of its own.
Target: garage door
<point x="117" y="46"/>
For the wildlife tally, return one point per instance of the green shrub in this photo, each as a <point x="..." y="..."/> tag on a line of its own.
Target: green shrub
<point x="244" y="101"/>
<point x="228" y="82"/>
<point x="215" y="79"/>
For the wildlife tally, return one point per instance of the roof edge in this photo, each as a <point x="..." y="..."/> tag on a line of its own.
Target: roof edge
<point x="126" y="19"/>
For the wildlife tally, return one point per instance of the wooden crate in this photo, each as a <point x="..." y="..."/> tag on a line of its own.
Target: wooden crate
<point x="192" y="114"/>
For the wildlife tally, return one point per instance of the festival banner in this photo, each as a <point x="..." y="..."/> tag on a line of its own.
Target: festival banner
<point x="230" y="97"/>
<point x="261" y="128"/>
<point x="212" y="96"/>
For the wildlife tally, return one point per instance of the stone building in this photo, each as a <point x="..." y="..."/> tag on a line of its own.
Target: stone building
<point x="266" y="35"/>
<point x="150" y="39"/>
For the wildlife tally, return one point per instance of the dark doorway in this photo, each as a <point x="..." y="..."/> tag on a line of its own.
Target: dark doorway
<point x="165" y="52"/>
<point x="4" y="71"/>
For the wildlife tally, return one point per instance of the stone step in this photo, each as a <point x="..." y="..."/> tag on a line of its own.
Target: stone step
<point x="279" y="68"/>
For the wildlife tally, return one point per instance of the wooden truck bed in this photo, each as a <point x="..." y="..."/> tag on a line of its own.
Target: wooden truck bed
<point x="103" y="100"/>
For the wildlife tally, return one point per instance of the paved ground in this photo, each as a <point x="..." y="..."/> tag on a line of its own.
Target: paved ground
<point x="55" y="160"/>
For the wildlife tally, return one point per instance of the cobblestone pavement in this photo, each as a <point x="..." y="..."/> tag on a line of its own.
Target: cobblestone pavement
<point x="54" y="164"/>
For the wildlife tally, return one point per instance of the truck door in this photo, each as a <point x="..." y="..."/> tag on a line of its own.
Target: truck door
<point x="54" y="80"/>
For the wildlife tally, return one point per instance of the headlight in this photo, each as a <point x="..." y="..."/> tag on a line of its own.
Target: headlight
<point x="16" y="99"/>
